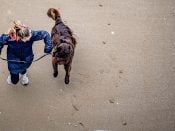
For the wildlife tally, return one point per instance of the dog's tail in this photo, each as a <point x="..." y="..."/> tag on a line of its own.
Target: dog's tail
<point x="53" y="13"/>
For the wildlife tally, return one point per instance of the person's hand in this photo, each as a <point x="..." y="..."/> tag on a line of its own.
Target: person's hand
<point x="47" y="51"/>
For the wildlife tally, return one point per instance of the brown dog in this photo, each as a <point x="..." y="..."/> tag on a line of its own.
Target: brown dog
<point x="63" y="44"/>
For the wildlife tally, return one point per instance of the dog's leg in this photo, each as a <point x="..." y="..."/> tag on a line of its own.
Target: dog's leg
<point x="55" y="67"/>
<point x="67" y="68"/>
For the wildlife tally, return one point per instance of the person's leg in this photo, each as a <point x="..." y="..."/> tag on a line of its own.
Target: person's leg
<point x="24" y="79"/>
<point x="14" y="78"/>
<point x="23" y="72"/>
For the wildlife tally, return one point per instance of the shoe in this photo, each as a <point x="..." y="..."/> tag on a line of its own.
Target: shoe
<point x="24" y="79"/>
<point x="9" y="80"/>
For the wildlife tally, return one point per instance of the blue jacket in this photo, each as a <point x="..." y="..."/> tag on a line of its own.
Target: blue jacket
<point x="22" y="51"/>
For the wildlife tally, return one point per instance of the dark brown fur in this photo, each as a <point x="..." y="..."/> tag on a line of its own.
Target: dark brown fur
<point x="63" y="44"/>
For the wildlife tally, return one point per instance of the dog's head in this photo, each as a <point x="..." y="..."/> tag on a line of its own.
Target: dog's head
<point x="63" y="50"/>
<point x="53" y="13"/>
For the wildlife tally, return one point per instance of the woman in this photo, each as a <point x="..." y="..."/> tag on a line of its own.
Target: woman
<point x="19" y="41"/>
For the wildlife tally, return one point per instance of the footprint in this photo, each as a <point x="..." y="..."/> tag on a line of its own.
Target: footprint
<point x="121" y="71"/>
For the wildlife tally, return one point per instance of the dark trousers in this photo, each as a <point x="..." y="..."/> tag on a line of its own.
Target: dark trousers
<point x="15" y="77"/>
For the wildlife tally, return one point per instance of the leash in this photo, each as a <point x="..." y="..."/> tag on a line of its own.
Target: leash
<point x="18" y="61"/>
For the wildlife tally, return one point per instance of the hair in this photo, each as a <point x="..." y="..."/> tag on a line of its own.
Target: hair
<point x="19" y="31"/>
<point x="23" y="32"/>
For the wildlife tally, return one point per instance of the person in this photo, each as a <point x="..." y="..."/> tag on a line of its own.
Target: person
<point x="19" y="40"/>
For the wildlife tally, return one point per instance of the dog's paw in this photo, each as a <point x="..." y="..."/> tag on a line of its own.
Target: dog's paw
<point x="55" y="74"/>
<point x="66" y="80"/>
